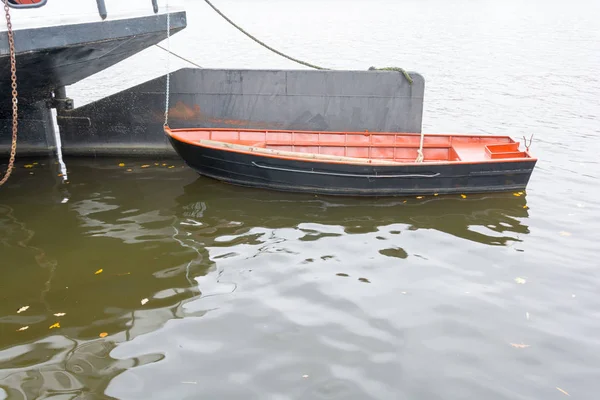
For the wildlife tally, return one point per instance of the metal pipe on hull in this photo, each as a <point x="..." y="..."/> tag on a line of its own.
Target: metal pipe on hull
<point x="102" y="9"/>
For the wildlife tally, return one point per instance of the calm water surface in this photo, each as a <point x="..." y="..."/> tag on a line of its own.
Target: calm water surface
<point x="145" y="281"/>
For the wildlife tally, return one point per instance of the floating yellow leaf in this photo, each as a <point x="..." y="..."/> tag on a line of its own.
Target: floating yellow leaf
<point x="525" y="206"/>
<point x="517" y="194"/>
<point x="24" y="328"/>
<point x="20" y="310"/>
<point x="519" y="345"/>
<point x="156" y="163"/>
<point x="144" y="301"/>
<point x="419" y="197"/>
<point x="563" y="391"/>
<point x="164" y="165"/>
<point x="435" y="194"/>
<point x="99" y="271"/>
<point x="520" y="280"/>
<point x="28" y="165"/>
<point x="35" y="163"/>
<point x="171" y="166"/>
<point x="129" y="170"/>
<point x="464" y="196"/>
<point x="60" y="174"/>
<point x="145" y="165"/>
<point x="121" y="164"/>
<point x="103" y="335"/>
<point x="60" y="314"/>
<point x="56" y="325"/>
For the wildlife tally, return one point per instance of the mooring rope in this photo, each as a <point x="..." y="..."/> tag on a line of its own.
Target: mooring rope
<point x="260" y="42"/>
<point x="398" y="69"/>
<point x="406" y="75"/>
<point x="178" y="56"/>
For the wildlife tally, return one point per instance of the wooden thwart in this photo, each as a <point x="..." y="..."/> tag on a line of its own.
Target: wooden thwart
<point x="295" y="154"/>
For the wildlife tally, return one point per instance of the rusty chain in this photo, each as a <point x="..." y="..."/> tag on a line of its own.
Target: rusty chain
<point x="13" y="71"/>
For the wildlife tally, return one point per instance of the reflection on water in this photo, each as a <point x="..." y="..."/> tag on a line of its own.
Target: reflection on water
<point x="131" y="250"/>
<point x="494" y="219"/>
<point x="64" y="366"/>
<point x="152" y="283"/>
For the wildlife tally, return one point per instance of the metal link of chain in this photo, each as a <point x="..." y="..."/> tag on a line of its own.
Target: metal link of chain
<point x="167" y="89"/>
<point x="13" y="71"/>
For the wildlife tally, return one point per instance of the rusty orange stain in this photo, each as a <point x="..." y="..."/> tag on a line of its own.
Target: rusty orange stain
<point x="182" y="112"/>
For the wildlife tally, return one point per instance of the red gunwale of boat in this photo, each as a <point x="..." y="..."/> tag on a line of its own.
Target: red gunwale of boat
<point x="381" y="148"/>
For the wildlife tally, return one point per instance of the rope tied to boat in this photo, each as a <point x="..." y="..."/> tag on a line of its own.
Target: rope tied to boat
<point x="305" y="63"/>
<point x="397" y="69"/>
<point x="527" y="146"/>
<point x="15" y="107"/>
<point x="420" y="156"/>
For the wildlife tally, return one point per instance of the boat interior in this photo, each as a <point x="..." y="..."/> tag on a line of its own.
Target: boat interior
<point x="393" y="147"/>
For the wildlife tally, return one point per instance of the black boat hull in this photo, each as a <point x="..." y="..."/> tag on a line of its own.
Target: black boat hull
<point x="258" y="171"/>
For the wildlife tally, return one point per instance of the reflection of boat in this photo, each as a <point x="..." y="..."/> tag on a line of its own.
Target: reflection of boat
<point x="355" y="163"/>
<point x="491" y="219"/>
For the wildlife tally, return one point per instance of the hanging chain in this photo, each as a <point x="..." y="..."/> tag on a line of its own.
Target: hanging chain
<point x="168" y="66"/>
<point x="13" y="71"/>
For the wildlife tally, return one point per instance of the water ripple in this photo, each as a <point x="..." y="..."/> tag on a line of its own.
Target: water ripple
<point x="212" y="290"/>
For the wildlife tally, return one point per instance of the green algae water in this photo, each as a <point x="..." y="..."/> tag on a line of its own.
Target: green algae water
<point x="147" y="281"/>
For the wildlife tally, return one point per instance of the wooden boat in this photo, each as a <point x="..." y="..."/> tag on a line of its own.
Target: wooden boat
<point x="356" y="163"/>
